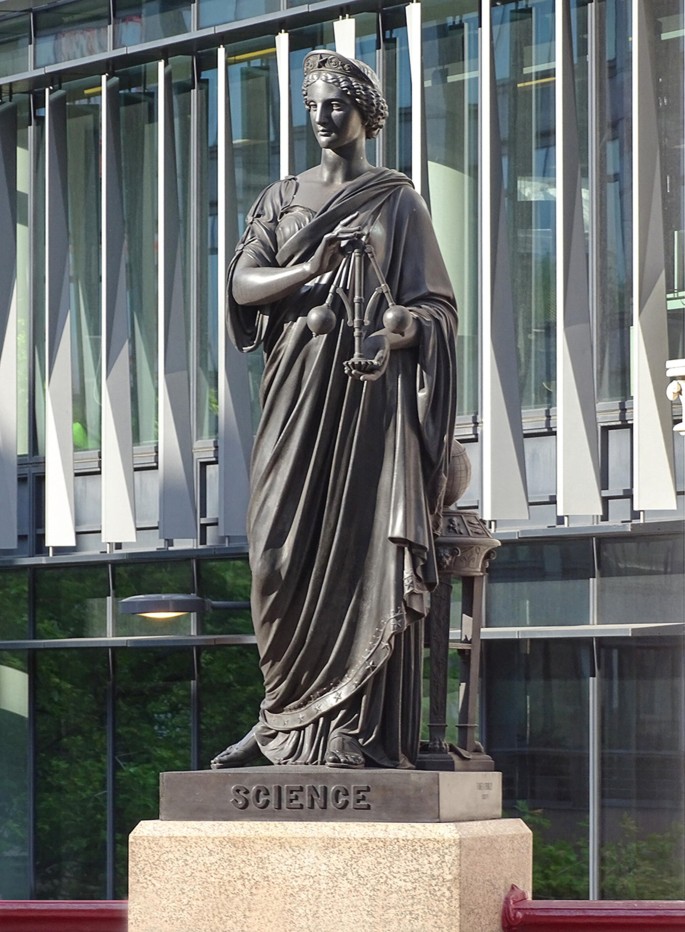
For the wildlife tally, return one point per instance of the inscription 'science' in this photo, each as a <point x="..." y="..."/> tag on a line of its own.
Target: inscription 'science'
<point x="300" y="796"/>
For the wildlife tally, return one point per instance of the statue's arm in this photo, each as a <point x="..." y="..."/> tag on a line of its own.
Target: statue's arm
<point x="257" y="285"/>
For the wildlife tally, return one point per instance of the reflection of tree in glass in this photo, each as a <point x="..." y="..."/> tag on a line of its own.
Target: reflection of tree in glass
<point x="71" y="746"/>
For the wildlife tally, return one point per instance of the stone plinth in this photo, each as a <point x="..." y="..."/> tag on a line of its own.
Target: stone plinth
<point x="322" y="794"/>
<point x="209" y="876"/>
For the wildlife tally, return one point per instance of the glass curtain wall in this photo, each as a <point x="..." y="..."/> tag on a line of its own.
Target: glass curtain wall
<point x="450" y="76"/>
<point x="523" y="35"/>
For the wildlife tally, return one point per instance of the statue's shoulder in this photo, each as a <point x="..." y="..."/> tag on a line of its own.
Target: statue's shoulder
<point x="274" y="198"/>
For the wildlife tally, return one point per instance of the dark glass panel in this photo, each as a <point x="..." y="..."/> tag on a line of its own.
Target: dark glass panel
<point x="229" y="581"/>
<point x="71" y="601"/>
<point x="540" y="584"/>
<point x="23" y="280"/>
<point x="231" y="689"/>
<point x="213" y="12"/>
<point x="14" y="44"/>
<point x="641" y="580"/>
<point x="396" y="138"/>
<point x="152" y="724"/>
<point x="523" y="34"/>
<point x="71" y="774"/>
<point x="643" y="770"/>
<point x="14" y="620"/>
<point x="139" y="180"/>
<point x="450" y="74"/>
<point x="68" y="31"/>
<point x="536" y="710"/>
<point x="14" y="776"/>
<point x="139" y="21"/>
<point x="37" y="233"/>
<point x="613" y="208"/>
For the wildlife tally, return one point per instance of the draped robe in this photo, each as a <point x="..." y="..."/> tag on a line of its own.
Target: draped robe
<point x="347" y="479"/>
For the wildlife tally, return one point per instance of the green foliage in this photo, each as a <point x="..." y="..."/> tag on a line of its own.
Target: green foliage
<point x="634" y="866"/>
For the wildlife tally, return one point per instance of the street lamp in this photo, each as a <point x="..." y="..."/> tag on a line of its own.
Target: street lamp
<point x="163" y="606"/>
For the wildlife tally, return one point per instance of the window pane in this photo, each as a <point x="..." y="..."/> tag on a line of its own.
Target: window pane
<point x="14" y="775"/>
<point x="14" y="621"/>
<point x="542" y="751"/>
<point x="226" y="580"/>
<point x="540" y="584"/>
<point x="71" y="602"/>
<point x="613" y="211"/>
<point x="139" y="180"/>
<point x="396" y="137"/>
<point x="231" y="689"/>
<point x="524" y="66"/>
<point x="71" y="30"/>
<point x="23" y="280"/>
<point x="152" y="717"/>
<point x="450" y="74"/>
<point x="71" y="774"/>
<point x="207" y="232"/>
<point x="669" y="27"/>
<point x="643" y="767"/>
<point x="83" y="156"/>
<point x="14" y="44"/>
<point x="641" y="580"/>
<point x="38" y="274"/>
<point x="138" y="21"/>
<point x="212" y="12"/>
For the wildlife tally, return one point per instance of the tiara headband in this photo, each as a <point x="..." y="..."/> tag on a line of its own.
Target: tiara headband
<point x="323" y="60"/>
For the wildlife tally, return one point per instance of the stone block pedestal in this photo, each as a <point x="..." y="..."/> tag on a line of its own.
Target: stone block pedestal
<point x="268" y="876"/>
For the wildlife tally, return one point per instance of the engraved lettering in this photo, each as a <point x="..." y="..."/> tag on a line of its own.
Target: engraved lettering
<point x="241" y="797"/>
<point x="260" y="796"/>
<point x="359" y="796"/>
<point x="317" y="796"/>
<point x="293" y="796"/>
<point x="340" y="797"/>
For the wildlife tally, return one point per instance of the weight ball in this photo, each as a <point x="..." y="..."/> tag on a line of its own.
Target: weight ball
<point x="396" y="319"/>
<point x="321" y="319"/>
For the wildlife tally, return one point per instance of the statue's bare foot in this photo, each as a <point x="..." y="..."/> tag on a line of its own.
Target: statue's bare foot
<point x="344" y="751"/>
<point x="240" y="754"/>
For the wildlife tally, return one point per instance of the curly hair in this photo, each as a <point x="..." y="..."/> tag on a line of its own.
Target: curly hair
<point x="368" y="100"/>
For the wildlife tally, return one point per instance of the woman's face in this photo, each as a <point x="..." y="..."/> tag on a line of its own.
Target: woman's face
<point x="336" y="121"/>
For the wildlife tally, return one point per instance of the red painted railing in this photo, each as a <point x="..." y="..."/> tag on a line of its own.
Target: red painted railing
<point x="63" y="915"/>
<point x="520" y="914"/>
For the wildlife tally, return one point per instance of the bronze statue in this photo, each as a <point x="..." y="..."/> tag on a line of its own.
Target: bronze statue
<point x="339" y="277"/>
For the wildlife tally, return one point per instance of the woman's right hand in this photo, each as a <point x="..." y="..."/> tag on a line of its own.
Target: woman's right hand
<point x="330" y="252"/>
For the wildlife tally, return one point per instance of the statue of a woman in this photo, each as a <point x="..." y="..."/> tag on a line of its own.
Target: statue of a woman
<point x="351" y="454"/>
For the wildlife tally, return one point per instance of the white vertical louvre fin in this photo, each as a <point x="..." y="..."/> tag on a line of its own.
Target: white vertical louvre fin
<point x="578" y="484"/>
<point x="283" y="66"/>
<point x="235" y="426"/>
<point x="8" y="326"/>
<point x="59" y="444"/>
<point x="413" y="13"/>
<point x="177" y="516"/>
<point x="653" y="460"/>
<point x="118" y="507"/>
<point x="345" y="36"/>
<point x="504" y="494"/>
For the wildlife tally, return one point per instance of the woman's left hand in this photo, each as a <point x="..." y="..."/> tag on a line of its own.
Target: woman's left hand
<point x="374" y="359"/>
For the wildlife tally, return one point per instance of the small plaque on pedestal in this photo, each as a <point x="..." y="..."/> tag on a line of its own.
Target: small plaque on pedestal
<point x="323" y="794"/>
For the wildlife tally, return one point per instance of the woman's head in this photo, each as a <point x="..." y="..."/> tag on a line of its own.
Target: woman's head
<point x="355" y="79"/>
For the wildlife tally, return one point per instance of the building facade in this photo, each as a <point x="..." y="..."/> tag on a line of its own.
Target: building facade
<point x="547" y="137"/>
